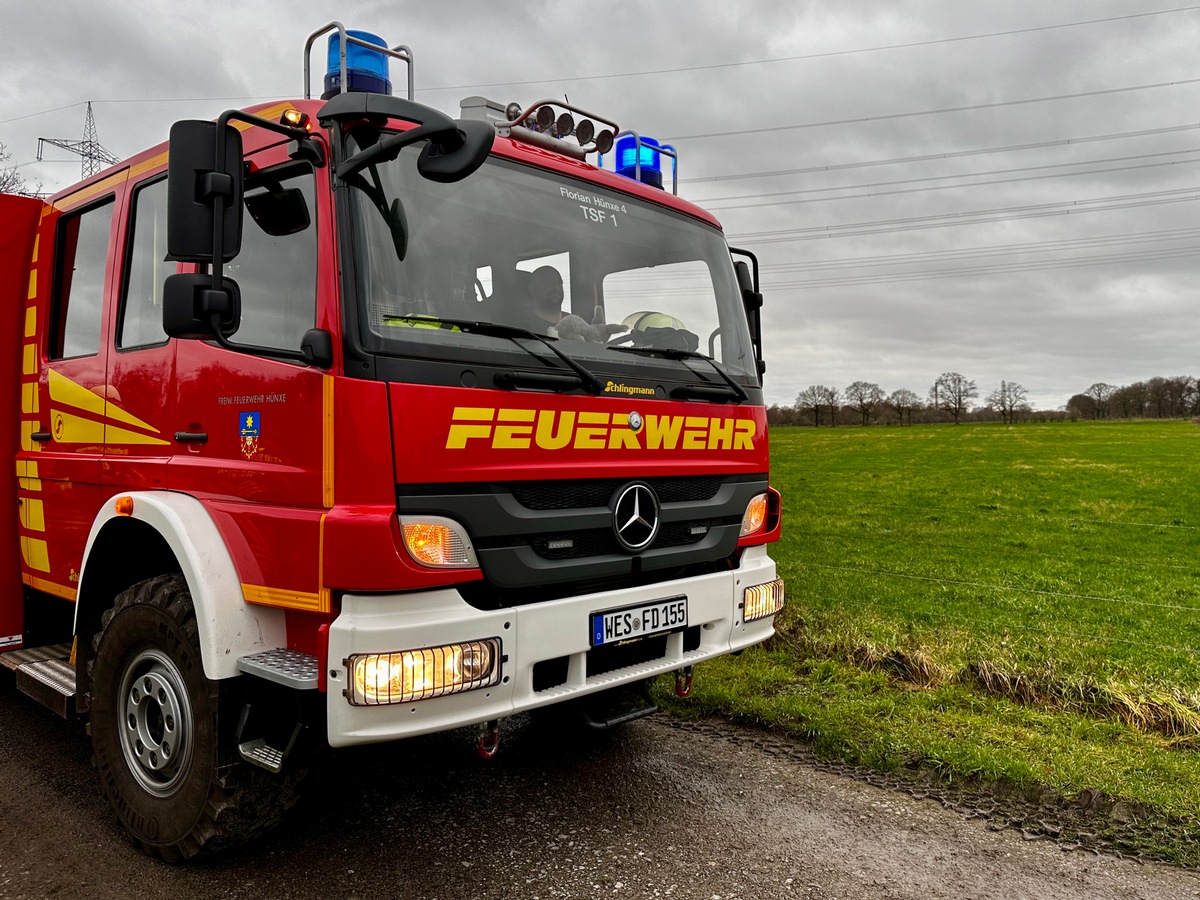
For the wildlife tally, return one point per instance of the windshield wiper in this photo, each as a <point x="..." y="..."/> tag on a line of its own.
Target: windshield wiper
<point x="701" y="392"/>
<point x="495" y="329"/>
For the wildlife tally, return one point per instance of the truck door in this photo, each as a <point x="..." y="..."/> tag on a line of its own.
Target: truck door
<point x="141" y="362"/>
<point x="254" y="426"/>
<point x="67" y="440"/>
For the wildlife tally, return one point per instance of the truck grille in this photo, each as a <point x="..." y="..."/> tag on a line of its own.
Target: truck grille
<point x="540" y="539"/>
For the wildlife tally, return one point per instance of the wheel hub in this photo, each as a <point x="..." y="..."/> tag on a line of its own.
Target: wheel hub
<point x="156" y="727"/>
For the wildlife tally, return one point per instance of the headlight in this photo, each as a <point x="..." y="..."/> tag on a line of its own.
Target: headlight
<point x="755" y="516"/>
<point x="762" y="600"/>
<point x="434" y="541"/>
<point x="377" y="679"/>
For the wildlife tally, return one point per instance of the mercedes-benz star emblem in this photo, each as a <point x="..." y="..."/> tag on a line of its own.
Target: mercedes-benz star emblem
<point x="635" y="421"/>
<point x="635" y="516"/>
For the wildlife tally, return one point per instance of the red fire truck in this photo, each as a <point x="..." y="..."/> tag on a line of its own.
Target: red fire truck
<point x="339" y="420"/>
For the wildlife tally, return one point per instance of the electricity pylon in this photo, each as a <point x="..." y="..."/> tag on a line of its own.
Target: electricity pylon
<point x="95" y="156"/>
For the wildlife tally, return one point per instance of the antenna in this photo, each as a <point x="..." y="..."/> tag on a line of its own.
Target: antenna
<point x="95" y="156"/>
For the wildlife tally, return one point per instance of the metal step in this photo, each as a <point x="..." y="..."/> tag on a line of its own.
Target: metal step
<point x="46" y="675"/>
<point x="282" y="666"/>
<point x="262" y="754"/>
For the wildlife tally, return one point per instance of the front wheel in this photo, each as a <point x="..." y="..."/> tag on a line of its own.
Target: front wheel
<point x="155" y="732"/>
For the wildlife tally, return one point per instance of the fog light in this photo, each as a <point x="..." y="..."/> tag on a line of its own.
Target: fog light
<point x="377" y="679"/>
<point x="434" y="541"/>
<point x="756" y="514"/>
<point x="762" y="600"/>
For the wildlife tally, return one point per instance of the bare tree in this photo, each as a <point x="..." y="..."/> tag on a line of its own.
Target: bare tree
<point x="1009" y="398"/>
<point x="11" y="180"/>
<point x="904" y="401"/>
<point x="1100" y="393"/>
<point x="953" y="393"/>
<point x="811" y="400"/>
<point x="864" y="396"/>
<point x="831" y="397"/>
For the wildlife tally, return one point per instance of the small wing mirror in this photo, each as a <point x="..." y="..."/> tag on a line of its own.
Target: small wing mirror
<point x="192" y="309"/>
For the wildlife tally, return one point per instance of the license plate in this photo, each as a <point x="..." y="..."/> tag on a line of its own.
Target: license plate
<point x="639" y="621"/>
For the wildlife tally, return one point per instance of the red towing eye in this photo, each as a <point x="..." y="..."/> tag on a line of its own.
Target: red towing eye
<point x="489" y="739"/>
<point x="683" y="681"/>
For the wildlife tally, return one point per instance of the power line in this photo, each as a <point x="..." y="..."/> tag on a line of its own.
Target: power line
<point x="852" y="187"/>
<point x="994" y="269"/>
<point x="858" y="120"/>
<point x="986" y="252"/>
<point x="951" y="154"/>
<point x="972" y="217"/>
<point x="666" y="71"/>
<point x="806" y="56"/>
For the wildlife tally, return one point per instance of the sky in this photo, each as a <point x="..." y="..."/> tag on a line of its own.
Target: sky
<point x="1005" y="190"/>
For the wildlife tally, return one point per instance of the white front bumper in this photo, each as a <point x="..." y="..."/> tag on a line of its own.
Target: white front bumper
<point x="529" y="635"/>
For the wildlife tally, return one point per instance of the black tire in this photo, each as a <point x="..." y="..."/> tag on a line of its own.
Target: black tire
<point x="156" y="736"/>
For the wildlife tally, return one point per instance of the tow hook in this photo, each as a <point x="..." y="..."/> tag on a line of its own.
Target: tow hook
<point x="683" y="681"/>
<point x="489" y="739"/>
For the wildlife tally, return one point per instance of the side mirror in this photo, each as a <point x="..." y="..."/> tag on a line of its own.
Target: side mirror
<point x="196" y="186"/>
<point x="752" y="301"/>
<point x="194" y="311"/>
<point x="744" y="278"/>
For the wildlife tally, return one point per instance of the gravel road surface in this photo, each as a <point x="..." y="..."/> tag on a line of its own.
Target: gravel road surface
<point x="654" y="810"/>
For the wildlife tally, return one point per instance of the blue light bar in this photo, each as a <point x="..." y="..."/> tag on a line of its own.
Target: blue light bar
<point x="629" y="154"/>
<point x="366" y="70"/>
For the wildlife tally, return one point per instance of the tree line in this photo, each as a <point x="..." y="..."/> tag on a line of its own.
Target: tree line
<point x="955" y="398"/>
<point x="1177" y="397"/>
<point x="951" y="398"/>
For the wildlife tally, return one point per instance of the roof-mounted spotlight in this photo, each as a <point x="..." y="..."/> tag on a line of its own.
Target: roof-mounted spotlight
<point x="544" y="118"/>
<point x="604" y="141"/>
<point x="585" y="131"/>
<point x="565" y="124"/>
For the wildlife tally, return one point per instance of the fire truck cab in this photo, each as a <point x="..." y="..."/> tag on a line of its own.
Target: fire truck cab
<point x="340" y="420"/>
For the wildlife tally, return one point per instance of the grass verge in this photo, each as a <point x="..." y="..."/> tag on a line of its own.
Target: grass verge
<point x="1011" y="605"/>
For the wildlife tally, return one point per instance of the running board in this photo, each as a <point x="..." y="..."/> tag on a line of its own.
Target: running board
<point x="46" y="675"/>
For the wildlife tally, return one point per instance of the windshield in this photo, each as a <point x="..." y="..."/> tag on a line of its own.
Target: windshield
<point x="536" y="250"/>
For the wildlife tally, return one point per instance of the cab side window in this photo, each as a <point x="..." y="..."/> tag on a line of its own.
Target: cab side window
<point x="276" y="270"/>
<point x="141" y="319"/>
<point x="81" y="254"/>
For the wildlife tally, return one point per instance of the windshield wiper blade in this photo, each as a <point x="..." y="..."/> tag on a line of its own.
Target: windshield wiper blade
<point x="680" y="354"/>
<point x="495" y="329"/>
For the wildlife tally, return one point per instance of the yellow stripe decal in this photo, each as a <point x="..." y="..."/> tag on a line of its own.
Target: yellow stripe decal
<point x="72" y="429"/>
<point x="115" y="435"/>
<point x="257" y="593"/>
<point x="33" y="516"/>
<point x="29" y="398"/>
<point x="35" y="554"/>
<point x="325" y="603"/>
<point x="30" y="321"/>
<point x="32" y="284"/>
<point x="92" y="190"/>
<point x="327" y="442"/>
<point x="49" y="587"/>
<point x="29" y="360"/>
<point x="37" y="241"/>
<point x="64" y="390"/>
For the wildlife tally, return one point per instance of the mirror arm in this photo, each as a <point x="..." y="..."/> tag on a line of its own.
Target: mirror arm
<point x="253" y="349"/>
<point x="388" y="148"/>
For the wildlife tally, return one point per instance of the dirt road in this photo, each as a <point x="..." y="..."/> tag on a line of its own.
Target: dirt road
<point x="652" y="811"/>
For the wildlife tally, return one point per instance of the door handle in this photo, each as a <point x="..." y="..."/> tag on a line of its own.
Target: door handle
<point x="41" y="436"/>
<point x="191" y="437"/>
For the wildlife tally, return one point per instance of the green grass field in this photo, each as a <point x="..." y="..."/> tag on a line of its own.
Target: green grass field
<point x="1018" y="604"/>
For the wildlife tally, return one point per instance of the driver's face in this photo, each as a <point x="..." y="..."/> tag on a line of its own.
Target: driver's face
<point x="547" y="288"/>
